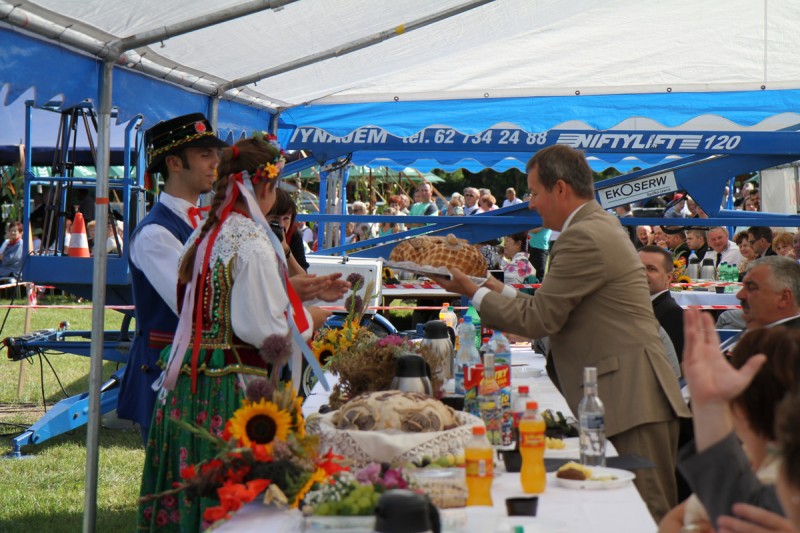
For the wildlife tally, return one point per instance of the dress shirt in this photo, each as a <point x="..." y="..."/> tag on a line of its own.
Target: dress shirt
<point x="156" y="252"/>
<point x="730" y="255"/>
<point x="510" y="292"/>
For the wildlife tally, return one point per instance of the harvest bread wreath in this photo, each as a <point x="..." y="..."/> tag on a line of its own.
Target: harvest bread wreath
<point x="441" y="252"/>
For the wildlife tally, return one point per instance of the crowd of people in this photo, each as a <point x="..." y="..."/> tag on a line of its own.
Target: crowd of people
<point x="211" y="292"/>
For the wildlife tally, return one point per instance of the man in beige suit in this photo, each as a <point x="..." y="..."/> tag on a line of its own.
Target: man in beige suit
<point x="595" y="306"/>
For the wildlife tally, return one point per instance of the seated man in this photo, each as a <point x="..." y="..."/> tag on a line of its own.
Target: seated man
<point x="696" y="241"/>
<point x="658" y="266"/>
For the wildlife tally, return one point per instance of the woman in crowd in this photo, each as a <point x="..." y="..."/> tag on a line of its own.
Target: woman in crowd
<point x="517" y="268"/>
<point x="388" y="228"/>
<point x="715" y="465"/>
<point x="284" y="212"/>
<point x="782" y="244"/>
<point x="455" y="207"/>
<point x="752" y="412"/>
<point x="487" y="203"/>
<point x="235" y="269"/>
<point x="748" y="254"/>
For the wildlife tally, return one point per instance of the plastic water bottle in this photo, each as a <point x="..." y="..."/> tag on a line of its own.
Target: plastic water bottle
<point x="532" y="475"/>
<point x="693" y="266"/>
<point x="490" y="402"/>
<point x="501" y="348"/>
<point x="476" y="321"/>
<point x="518" y="409"/>
<point x="591" y="419"/>
<point x="448" y="316"/>
<point x="467" y="354"/>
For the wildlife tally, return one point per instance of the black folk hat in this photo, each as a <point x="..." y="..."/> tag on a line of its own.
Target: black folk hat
<point x="187" y="131"/>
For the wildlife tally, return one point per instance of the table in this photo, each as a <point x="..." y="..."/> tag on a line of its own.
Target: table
<point x="603" y="511"/>
<point x="686" y="298"/>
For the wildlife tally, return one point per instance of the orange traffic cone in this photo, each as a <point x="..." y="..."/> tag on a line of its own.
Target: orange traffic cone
<point x="78" y="241"/>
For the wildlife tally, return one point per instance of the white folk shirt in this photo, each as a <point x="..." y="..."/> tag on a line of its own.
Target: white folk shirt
<point x="156" y="252"/>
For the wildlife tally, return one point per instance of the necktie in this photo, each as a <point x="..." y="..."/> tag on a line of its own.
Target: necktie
<point x="719" y="258"/>
<point x="196" y="214"/>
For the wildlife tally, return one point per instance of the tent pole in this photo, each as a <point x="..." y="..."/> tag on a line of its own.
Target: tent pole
<point x="352" y="46"/>
<point x="213" y="113"/>
<point x="98" y="298"/>
<point x="187" y="26"/>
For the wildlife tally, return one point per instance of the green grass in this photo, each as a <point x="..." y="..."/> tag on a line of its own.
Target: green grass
<point x="45" y="491"/>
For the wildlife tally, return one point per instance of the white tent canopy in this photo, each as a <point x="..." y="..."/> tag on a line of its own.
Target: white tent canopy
<point x="500" y="49"/>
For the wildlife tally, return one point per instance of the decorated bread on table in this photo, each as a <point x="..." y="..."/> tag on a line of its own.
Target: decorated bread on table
<point x="441" y="252"/>
<point x="405" y="411"/>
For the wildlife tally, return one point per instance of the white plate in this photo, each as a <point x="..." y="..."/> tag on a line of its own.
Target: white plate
<point x="525" y="372"/>
<point x="423" y="270"/>
<point x="572" y="449"/>
<point x="531" y="524"/>
<point x="623" y="477"/>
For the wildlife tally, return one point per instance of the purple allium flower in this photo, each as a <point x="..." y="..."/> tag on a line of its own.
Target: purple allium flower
<point x="356" y="280"/>
<point x="354" y="302"/>
<point x="393" y="479"/>
<point x="259" y="389"/>
<point x="275" y="350"/>
<point x="390" y="340"/>
<point x="369" y="474"/>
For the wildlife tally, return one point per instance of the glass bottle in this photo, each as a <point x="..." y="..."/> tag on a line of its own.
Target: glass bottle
<point x="591" y="419"/>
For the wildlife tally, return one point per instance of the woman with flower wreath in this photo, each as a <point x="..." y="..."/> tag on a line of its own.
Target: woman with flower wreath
<point x="240" y="316"/>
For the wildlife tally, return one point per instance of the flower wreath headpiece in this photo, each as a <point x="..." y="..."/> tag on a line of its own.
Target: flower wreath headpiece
<point x="271" y="169"/>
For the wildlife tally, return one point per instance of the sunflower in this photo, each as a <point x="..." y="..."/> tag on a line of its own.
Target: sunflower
<point x="323" y="350"/>
<point x="260" y="423"/>
<point x="300" y="423"/>
<point x="683" y="279"/>
<point x="319" y="476"/>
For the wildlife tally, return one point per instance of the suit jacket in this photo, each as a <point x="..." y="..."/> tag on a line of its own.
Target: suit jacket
<point x="670" y="315"/>
<point x="595" y="305"/>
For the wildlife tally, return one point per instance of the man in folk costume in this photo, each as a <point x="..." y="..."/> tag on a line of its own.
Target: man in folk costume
<point x="185" y="152"/>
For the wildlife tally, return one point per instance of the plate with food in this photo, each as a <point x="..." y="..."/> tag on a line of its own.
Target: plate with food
<point x="577" y="476"/>
<point x="562" y="448"/>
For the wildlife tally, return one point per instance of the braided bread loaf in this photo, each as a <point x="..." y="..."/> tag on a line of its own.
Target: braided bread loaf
<point x="441" y="252"/>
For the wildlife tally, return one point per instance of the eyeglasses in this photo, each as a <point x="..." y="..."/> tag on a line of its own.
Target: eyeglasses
<point x="469" y="194"/>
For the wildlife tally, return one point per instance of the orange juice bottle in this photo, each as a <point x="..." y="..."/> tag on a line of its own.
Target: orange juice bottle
<point x="531" y="447"/>
<point x="479" y="462"/>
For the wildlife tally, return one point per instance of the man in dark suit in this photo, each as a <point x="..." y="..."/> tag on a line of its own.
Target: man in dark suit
<point x="760" y="238"/>
<point x="658" y="266"/>
<point x="594" y="306"/>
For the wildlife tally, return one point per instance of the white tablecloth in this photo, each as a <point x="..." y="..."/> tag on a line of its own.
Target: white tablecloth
<point x="560" y="509"/>
<point x="685" y="298"/>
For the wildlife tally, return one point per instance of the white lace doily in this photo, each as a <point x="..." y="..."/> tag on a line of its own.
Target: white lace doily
<point x="390" y="446"/>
